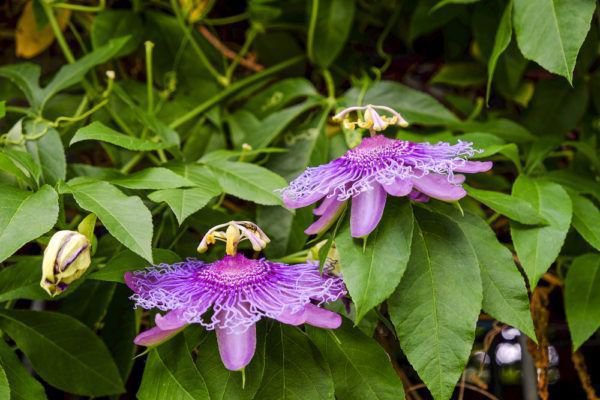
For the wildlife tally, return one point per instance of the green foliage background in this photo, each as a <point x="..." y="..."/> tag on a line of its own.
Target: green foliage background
<point x="166" y="118"/>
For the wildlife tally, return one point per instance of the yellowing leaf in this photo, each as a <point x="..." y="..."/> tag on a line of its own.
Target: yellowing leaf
<point x="32" y="39"/>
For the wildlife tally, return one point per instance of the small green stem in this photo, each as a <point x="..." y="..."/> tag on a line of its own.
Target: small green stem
<point x="76" y="118"/>
<point x="188" y="34"/>
<point x="242" y="53"/>
<point x="78" y="7"/>
<point x="149" y="78"/>
<point x="233" y="89"/>
<point x="227" y="20"/>
<point x="310" y="40"/>
<point x="330" y="85"/>
<point x="132" y="163"/>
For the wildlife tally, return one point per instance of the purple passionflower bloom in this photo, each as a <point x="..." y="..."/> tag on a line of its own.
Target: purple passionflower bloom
<point x="379" y="166"/>
<point x="240" y="292"/>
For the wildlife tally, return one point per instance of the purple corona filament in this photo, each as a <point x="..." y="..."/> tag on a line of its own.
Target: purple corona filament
<point x="240" y="291"/>
<point x="377" y="167"/>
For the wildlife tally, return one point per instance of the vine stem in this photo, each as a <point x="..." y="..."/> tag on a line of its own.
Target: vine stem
<point x="57" y="32"/>
<point x="188" y="34"/>
<point x="241" y="54"/>
<point x="227" y="20"/>
<point x="310" y="40"/>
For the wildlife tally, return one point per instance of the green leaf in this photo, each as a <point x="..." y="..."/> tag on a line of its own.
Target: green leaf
<point x="98" y="131"/>
<point x="372" y="273"/>
<point x="125" y="217"/>
<point x="63" y="351"/>
<point x="538" y="247"/>
<point x="89" y="304"/>
<point x="586" y="220"/>
<point x="26" y="164"/>
<point x="184" y="202"/>
<point x="515" y="208"/>
<point x="249" y="182"/>
<point x="285" y="228"/>
<point x="277" y="95"/>
<point x="575" y="181"/>
<point x="49" y="152"/>
<point x="22" y="281"/>
<point x="293" y="368"/>
<point x="119" y="328"/>
<point x="333" y="24"/>
<point x="111" y="24"/>
<point x="170" y="373"/>
<point x="4" y="385"/>
<point x="551" y="32"/>
<point x="504" y="292"/>
<point x="360" y="367"/>
<point x="25" y="216"/>
<point x="152" y="178"/>
<point x="228" y="385"/>
<point x="582" y="298"/>
<point x="125" y="261"/>
<point x="501" y="42"/>
<point x="506" y="129"/>
<point x="460" y="75"/>
<point x="71" y="74"/>
<point x="436" y="306"/>
<point x="246" y="128"/>
<point x="416" y="107"/>
<point x="22" y="385"/>
<point x="26" y="76"/>
<point x="2" y="109"/>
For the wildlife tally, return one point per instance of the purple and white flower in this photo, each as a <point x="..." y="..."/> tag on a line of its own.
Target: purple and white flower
<point x="240" y="291"/>
<point x="377" y="167"/>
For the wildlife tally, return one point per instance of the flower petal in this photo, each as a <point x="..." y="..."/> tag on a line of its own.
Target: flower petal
<point x="438" y="187"/>
<point x="171" y="320"/>
<point x="155" y="336"/>
<point x="327" y="201"/>
<point x="321" y="317"/>
<point x="472" y="167"/>
<point x="367" y="209"/>
<point x="415" y="195"/>
<point x="236" y="347"/>
<point x="304" y="201"/>
<point x="328" y="218"/>
<point x="290" y="318"/>
<point x="399" y="188"/>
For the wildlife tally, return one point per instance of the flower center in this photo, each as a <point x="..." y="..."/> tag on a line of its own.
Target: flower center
<point x="235" y="271"/>
<point x="376" y="150"/>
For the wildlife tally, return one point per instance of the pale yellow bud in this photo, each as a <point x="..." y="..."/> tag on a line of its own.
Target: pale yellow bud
<point x="66" y="259"/>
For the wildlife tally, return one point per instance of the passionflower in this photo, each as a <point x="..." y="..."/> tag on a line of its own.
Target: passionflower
<point x="377" y="167"/>
<point x="240" y="291"/>
<point x="66" y="258"/>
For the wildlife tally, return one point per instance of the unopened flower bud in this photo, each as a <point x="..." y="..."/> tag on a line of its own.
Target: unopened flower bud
<point x="332" y="260"/>
<point x="66" y="258"/>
